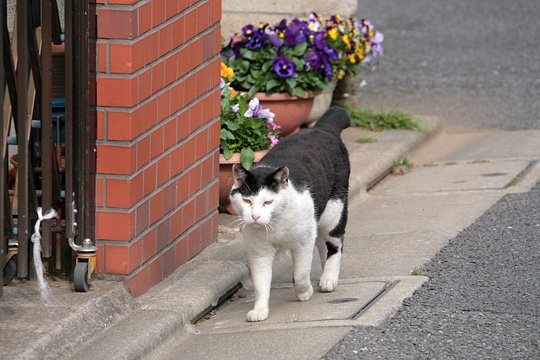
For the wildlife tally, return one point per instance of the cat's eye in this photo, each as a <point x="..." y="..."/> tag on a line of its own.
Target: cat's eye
<point x="268" y="202"/>
<point x="247" y="201"/>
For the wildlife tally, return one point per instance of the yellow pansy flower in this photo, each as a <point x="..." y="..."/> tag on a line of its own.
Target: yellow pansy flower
<point x="226" y="71"/>
<point x="333" y="33"/>
<point x="352" y="59"/>
<point x="341" y="74"/>
<point x="359" y="52"/>
<point x="345" y="39"/>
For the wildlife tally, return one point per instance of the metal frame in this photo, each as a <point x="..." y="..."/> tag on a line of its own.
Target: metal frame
<point x="26" y="94"/>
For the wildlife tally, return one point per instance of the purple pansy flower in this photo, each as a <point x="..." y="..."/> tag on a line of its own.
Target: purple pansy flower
<point x="274" y="39"/>
<point x="248" y="30"/>
<point x="253" y="107"/>
<point x="255" y="110"/>
<point x="319" y="40"/>
<point x="322" y="56"/>
<point x="233" y="47"/>
<point x="284" y="67"/>
<point x="294" y="34"/>
<point x="282" y="26"/>
<point x="376" y="44"/>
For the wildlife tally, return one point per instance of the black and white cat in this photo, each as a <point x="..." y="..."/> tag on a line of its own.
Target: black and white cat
<point x="293" y="199"/>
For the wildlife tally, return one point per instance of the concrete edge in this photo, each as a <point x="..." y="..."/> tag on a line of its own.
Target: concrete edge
<point x="391" y="301"/>
<point x="134" y="336"/>
<point x="379" y="169"/>
<point x="90" y="319"/>
<point x="166" y="312"/>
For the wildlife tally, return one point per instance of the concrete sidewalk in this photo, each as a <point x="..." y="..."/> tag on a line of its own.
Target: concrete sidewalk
<point x="107" y="321"/>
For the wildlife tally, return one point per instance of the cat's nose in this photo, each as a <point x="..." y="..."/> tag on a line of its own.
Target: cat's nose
<point x="255" y="217"/>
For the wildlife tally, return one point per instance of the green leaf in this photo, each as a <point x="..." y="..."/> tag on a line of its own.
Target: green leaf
<point x="233" y="126"/>
<point x="244" y="66"/>
<point x="298" y="92"/>
<point x="246" y="158"/>
<point x="266" y="66"/>
<point x="300" y="49"/>
<point x="227" y="154"/>
<point x="248" y="55"/>
<point x="226" y="134"/>
<point x="256" y="73"/>
<point x="271" y="84"/>
<point x="291" y="82"/>
<point x="252" y="91"/>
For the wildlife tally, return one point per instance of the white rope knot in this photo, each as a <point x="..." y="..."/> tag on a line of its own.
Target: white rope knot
<point x="36" y="236"/>
<point x="36" y="239"/>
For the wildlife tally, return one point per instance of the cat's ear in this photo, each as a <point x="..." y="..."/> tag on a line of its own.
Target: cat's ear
<point x="240" y="174"/>
<point x="281" y="177"/>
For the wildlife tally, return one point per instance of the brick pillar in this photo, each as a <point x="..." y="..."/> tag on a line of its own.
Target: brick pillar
<point x="158" y="103"/>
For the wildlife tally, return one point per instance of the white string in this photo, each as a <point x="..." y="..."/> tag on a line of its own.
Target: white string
<point x="46" y="294"/>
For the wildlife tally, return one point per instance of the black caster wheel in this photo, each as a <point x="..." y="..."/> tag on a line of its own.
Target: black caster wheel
<point x="10" y="270"/>
<point x="80" y="277"/>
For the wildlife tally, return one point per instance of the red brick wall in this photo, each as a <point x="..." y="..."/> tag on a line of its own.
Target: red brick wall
<point x="158" y="98"/>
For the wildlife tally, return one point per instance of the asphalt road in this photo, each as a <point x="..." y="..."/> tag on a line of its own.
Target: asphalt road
<point x="473" y="63"/>
<point x="482" y="300"/>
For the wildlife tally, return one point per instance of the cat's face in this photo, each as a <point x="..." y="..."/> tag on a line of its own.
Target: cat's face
<point x="256" y="196"/>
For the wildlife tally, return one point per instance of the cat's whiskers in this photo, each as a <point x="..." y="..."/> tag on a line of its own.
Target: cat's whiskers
<point x="239" y="220"/>
<point x="270" y="224"/>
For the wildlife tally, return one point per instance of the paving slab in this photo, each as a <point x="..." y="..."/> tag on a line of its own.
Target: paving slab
<point x="285" y="309"/>
<point x="444" y="213"/>
<point x="482" y="145"/>
<point x="294" y="344"/>
<point x="294" y="330"/>
<point x="457" y="176"/>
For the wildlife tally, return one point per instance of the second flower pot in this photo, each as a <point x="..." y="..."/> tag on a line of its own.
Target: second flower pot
<point x="291" y="111"/>
<point x="321" y="104"/>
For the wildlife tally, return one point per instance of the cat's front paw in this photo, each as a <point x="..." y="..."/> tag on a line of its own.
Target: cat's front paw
<point x="327" y="284"/>
<point x="305" y="295"/>
<point x="257" y="315"/>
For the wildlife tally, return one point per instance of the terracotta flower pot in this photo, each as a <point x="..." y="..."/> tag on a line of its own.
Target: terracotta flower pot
<point x="226" y="178"/>
<point x="291" y="111"/>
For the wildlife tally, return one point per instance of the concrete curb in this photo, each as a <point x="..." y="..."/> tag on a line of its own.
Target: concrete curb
<point x="168" y="308"/>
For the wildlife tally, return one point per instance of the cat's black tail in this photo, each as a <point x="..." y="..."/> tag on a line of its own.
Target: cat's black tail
<point x="334" y="121"/>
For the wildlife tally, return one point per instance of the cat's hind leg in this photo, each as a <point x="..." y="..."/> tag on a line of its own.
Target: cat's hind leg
<point x="331" y="232"/>
<point x="330" y="277"/>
